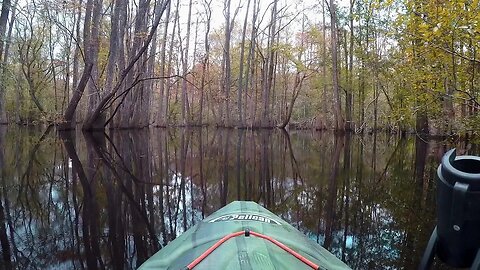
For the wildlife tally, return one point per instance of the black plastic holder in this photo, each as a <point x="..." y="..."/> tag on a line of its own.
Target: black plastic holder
<point x="456" y="238"/>
<point x="430" y="251"/>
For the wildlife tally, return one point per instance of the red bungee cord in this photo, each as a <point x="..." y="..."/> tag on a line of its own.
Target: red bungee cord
<point x="248" y="233"/>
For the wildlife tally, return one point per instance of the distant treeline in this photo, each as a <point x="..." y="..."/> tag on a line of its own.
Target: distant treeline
<point x="407" y="66"/>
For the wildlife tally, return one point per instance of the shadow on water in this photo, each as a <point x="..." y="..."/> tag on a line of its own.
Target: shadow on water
<point x="98" y="201"/>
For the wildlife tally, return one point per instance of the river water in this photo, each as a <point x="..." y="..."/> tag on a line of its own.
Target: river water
<point x="94" y="201"/>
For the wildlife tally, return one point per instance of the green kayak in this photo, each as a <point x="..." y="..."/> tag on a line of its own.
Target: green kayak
<point x="243" y="235"/>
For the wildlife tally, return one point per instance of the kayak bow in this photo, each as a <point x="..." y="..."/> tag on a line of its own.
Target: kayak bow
<point x="243" y="235"/>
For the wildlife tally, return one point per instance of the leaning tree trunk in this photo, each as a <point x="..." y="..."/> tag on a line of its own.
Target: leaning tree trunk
<point x="82" y="84"/>
<point x="76" y="96"/>
<point x="295" y="92"/>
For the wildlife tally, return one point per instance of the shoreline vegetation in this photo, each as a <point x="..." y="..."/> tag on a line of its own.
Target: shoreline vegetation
<point x="362" y="67"/>
<point x="471" y="135"/>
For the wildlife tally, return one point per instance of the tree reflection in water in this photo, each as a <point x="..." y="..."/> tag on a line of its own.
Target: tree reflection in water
<point x="97" y="201"/>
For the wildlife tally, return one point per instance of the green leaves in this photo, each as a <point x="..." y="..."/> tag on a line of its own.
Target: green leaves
<point x="436" y="42"/>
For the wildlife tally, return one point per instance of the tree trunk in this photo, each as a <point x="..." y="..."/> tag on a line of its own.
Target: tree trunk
<point x="6" y="5"/>
<point x="324" y="68"/>
<point x="339" y="125"/>
<point x="226" y="72"/>
<point x="364" y="59"/>
<point x="250" y="70"/>
<point x="240" y="76"/>
<point x="349" y="95"/>
<point x="205" y="66"/>
<point x="170" y="59"/>
<point x="185" y="67"/>
<point x="144" y="113"/>
<point x="51" y="47"/>
<point x="161" y="113"/>
<point x="421" y="123"/>
<point x="76" y="54"/>
<point x="113" y="47"/>
<point x="376" y="81"/>
<point x="134" y="99"/>
<point x="124" y="36"/>
<point x="269" y="67"/>
<point x="450" y="86"/>
<point x="91" y="47"/>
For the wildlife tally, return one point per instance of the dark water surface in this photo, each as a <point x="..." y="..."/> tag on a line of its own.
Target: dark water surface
<point x="90" y="201"/>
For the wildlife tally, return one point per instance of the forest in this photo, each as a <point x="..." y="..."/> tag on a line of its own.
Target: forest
<point x="358" y="65"/>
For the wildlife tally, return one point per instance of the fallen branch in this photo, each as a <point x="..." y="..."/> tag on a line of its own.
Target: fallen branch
<point x="471" y="97"/>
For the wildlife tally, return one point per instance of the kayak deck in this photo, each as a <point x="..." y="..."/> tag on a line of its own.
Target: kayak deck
<point x="260" y="240"/>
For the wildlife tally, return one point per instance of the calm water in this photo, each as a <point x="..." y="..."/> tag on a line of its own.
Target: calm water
<point x="91" y="201"/>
